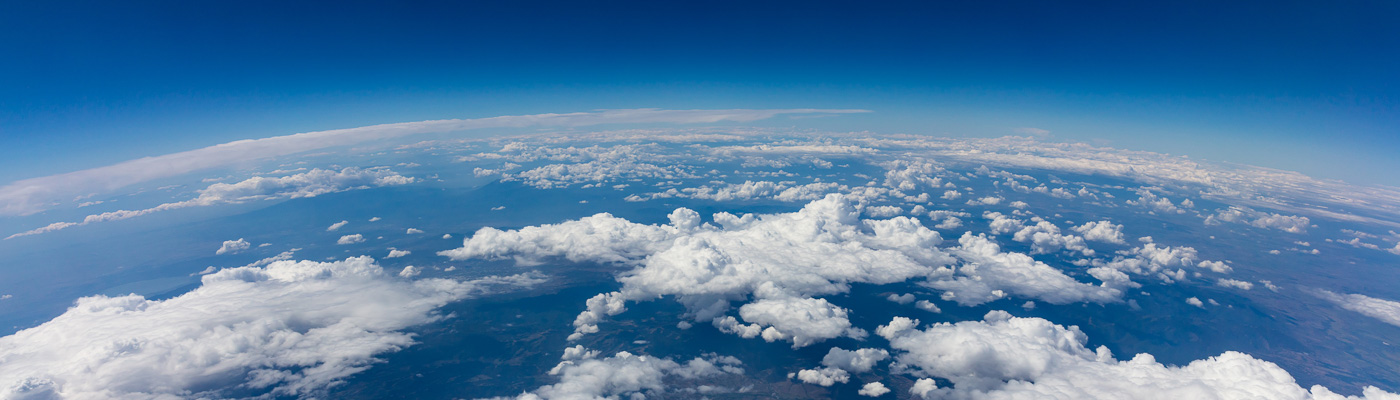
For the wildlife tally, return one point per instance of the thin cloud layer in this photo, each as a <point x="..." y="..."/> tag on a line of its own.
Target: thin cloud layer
<point x="287" y="329"/>
<point x="37" y="194"/>
<point x="307" y="184"/>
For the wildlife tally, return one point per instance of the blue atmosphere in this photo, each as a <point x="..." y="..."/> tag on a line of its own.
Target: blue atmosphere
<point x="607" y="200"/>
<point x="1299" y="86"/>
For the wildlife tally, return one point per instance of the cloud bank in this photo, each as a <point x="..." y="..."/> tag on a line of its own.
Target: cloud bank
<point x="288" y="329"/>
<point x="37" y="194"/>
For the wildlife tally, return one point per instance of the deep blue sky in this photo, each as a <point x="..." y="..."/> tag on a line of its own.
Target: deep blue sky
<point x="1307" y="86"/>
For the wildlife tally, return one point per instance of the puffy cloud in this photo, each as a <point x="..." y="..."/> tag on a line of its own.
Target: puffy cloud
<point x="1000" y="223"/>
<point x="873" y="389"/>
<point x="336" y="226"/>
<point x="1103" y="231"/>
<point x="1005" y="357"/>
<point x="778" y="261"/>
<point x="351" y="239"/>
<point x="1195" y="302"/>
<point x="287" y="329"/>
<point x="396" y="253"/>
<point x="413" y="231"/>
<point x="623" y="375"/>
<point x="901" y="299"/>
<point x="928" y="306"/>
<point x="1146" y="198"/>
<point x="410" y="271"/>
<point x="36" y="194"/>
<point x="307" y="184"/>
<point x="825" y="376"/>
<point x="1242" y="285"/>
<point x="858" y="361"/>
<point x="1258" y="219"/>
<point x="1385" y="310"/>
<point x="985" y="201"/>
<point x="233" y="246"/>
<point x="1045" y="238"/>
<point x="990" y="274"/>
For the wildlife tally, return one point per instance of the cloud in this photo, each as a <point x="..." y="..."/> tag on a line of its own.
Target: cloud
<point x="396" y="253"/>
<point x="1258" y="219"/>
<point x="624" y="375"/>
<point x="778" y="261"/>
<point x="351" y="239"/>
<point x="37" y="194"/>
<point x="1005" y="357"/>
<point x="1385" y="310"/>
<point x="336" y="226"/>
<point x="1032" y="131"/>
<point x="308" y="184"/>
<point x="233" y="246"/>
<point x="287" y="329"/>
<point x="1103" y="231"/>
<point x="858" y="361"/>
<point x="990" y="274"/>
<point x="873" y="389"/>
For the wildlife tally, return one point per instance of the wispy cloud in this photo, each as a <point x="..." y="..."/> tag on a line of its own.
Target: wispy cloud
<point x="33" y="195"/>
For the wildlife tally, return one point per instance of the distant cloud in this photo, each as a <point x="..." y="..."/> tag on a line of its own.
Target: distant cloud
<point x="336" y="226"/>
<point x="33" y="195"/>
<point x="1032" y="131"/>
<point x="351" y="239"/>
<point x="307" y="184"/>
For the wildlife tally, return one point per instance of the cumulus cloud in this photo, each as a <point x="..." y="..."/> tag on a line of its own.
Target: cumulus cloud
<point x="336" y="226"/>
<point x="990" y="274"/>
<point x="624" y="375"/>
<point x="287" y="329"/>
<point x="1385" y="310"/>
<point x="351" y="239"/>
<point x="1258" y="219"/>
<point x="858" y="360"/>
<point x="873" y="389"/>
<point x="307" y="184"/>
<point x="1045" y="238"/>
<point x="233" y="246"/>
<point x="396" y="253"/>
<point x="37" y="194"/>
<point x="1103" y="231"/>
<point x="779" y="261"/>
<point x="1005" y="357"/>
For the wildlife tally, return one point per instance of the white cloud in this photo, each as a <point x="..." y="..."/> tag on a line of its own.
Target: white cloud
<point x="233" y="246"/>
<point x="396" y="253"/>
<point x="928" y="306"/>
<point x="410" y="271"/>
<point x="1103" y="231"/>
<point x="901" y="299"/>
<point x="1195" y="302"/>
<point x="36" y="194"/>
<point x="307" y="184"/>
<point x="1258" y="219"/>
<point x="1385" y="310"/>
<point x="1005" y="357"/>
<point x="781" y="260"/>
<point x="990" y="274"/>
<point x="289" y="329"/>
<point x="1238" y="284"/>
<point x="873" y="389"/>
<point x="336" y="226"/>
<point x="859" y="360"/>
<point x="351" y="239"/>
<point x="1045" y="238"/>
<point x="985" y="201"/>
<point x="624" y="375"/>
<point x="413" y="231"/>
<point x="825" y="376"/>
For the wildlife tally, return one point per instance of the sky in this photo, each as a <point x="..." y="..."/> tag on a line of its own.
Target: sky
<point x="1302" y="86"/>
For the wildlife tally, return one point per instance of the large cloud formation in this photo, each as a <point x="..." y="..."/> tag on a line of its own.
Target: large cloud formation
<point x="288" y="329"/>
<point x="1005" y="357"/>
<point x="777" y="264"/>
